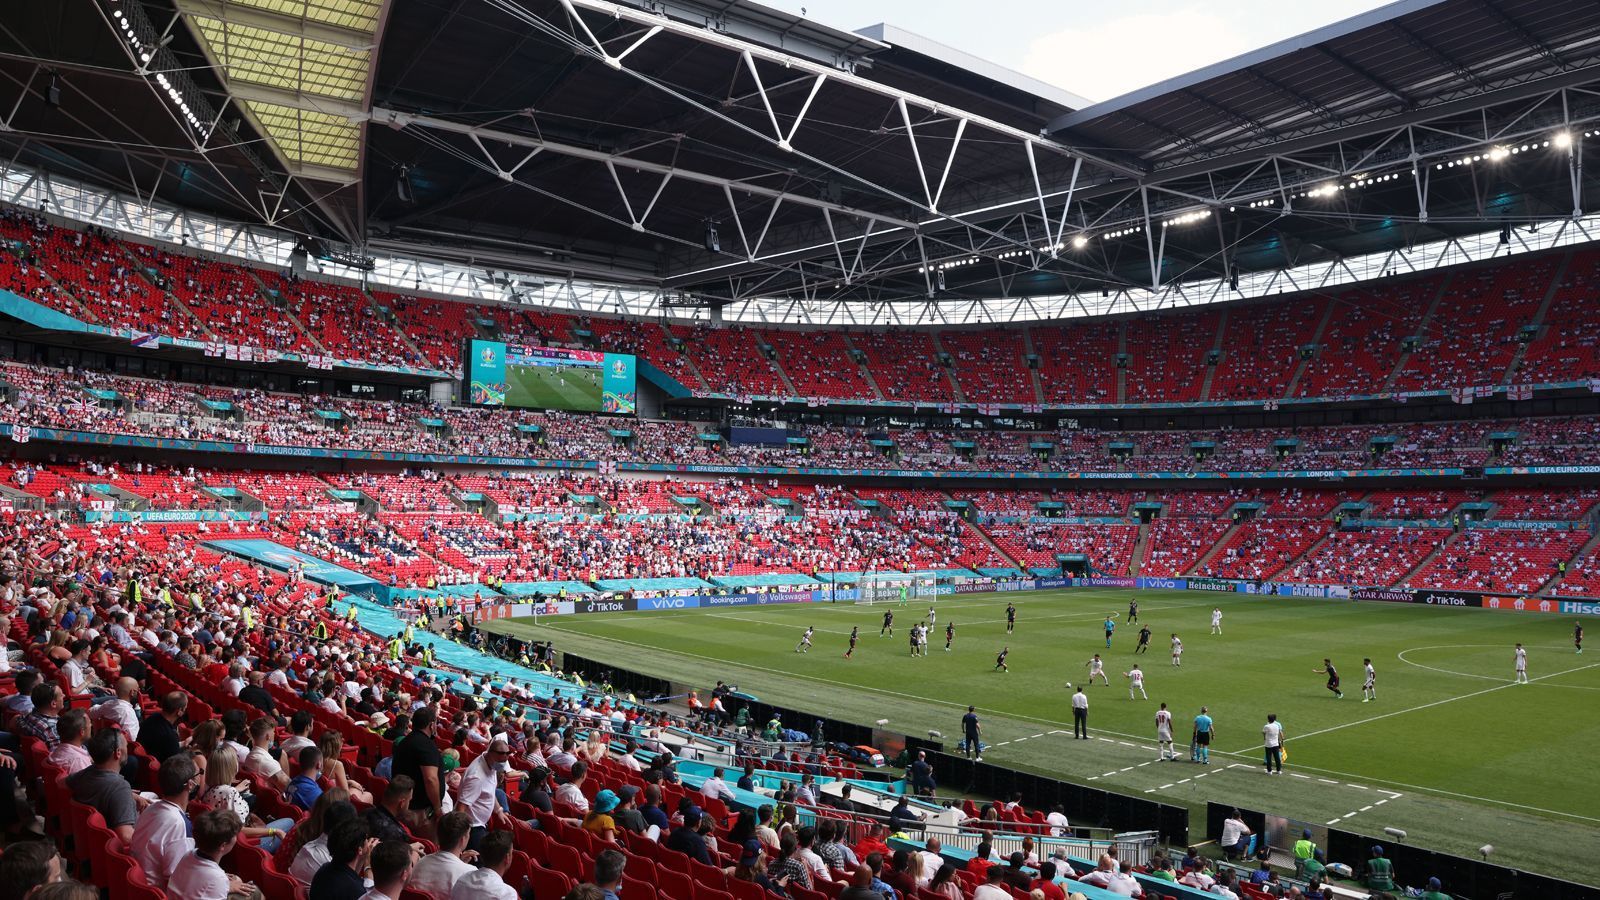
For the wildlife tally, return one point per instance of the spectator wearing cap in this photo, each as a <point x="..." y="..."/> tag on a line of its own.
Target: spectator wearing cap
<point x="1380" y="871"/>
<point x="1304" y="849"/>
<point x="686" y="838"/>
<point x="1434" y="891"/>
<point x="627" y="814"/>
<point x="598" y="821"/>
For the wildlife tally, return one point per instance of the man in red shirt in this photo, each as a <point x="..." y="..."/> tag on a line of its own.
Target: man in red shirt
<point x="1046" y="882"/>
<point x="980" y="862"/>
<point x="876" y="841"/>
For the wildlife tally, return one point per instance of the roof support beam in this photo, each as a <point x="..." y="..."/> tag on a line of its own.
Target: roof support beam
<point x="294" y="26"/>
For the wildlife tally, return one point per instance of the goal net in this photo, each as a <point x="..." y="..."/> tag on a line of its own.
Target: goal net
<point x="892" y="587"/>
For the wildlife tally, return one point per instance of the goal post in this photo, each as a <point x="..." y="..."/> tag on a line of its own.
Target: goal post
<point x="892" y="586"/>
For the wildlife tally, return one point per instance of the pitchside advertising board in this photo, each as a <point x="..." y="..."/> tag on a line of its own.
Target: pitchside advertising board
<point x="1427" y="597"/>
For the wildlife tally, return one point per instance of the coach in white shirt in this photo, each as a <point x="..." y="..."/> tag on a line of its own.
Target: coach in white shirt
<point x="161" y="834"/>
<point x="437" y="873"/>
<point x="118" y="713"/>
<point x="199" y="876"/>
<point x="488" y="883"/>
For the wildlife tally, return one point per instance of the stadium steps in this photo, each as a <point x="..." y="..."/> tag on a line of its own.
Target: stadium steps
<point x="1427" y="561"/>
<point x="138" y="266"/>
<point x="783" y="377"/>
<point x="79" y="310"/>
<point x="1033" y="374"/>
<point x="1312" y="548"/>
<point x="1206" y="558"/>
<point x="1538" y="316"/>
<point x="389" y="319"/>
<point x="1422" y="329"/>
<point x="866" y="371"/>
<point x="949" y="371"/>
<point x="688" y="360"/>
<point x="290" y="317"/>
<point x="1141" y="547"/>
<point x="1216" y="347"/>
<point x="1316" y="338"/>
<point x="1122" y="374"/>
<point x="978" y="530"/>
<point x="1583" y="552"/>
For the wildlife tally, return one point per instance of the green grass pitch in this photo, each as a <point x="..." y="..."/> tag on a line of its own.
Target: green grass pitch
<point x="542" y="388"/>
<point x="1451" y="750"/>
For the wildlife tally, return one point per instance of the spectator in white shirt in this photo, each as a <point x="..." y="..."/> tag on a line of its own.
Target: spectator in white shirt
<point x="993" y="888"/>
<point x="1057" y="820"/>
<point x="73" y="729"/>
<point x="480" y="782"/>
<point x="488" y="883"/>
<point x="299" y="734"/>
<point x="234" y="683"/>
<point x="199" y="875"/>
<point x="571" y="792"/>
<point x="119" y="712"/>
<point x="391" y="866"/>
<point x="714" y="788"/>
<point x="161" y="834"/>
<point x="438" y="872"/>
<point x="261" y="761"/>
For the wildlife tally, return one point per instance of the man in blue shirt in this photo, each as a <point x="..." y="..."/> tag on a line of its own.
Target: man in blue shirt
<point x="303" y="788"/>
<point x="1204" y="731"/>
<point x="972" y="731"/>
<point x="1111" y="625"/>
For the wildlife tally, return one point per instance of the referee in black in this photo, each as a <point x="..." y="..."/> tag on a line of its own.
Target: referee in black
<point x="969" y="725"/>
<point x="1080" y="715"/>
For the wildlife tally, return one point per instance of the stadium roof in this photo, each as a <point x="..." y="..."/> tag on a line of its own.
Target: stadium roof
<point x="722" y="151"/>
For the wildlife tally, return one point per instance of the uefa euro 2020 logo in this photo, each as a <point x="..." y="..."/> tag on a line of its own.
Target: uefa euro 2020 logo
<point x="488" y="356"/>
<point x="618" y="368"/>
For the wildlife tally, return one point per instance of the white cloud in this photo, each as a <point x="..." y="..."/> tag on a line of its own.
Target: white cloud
<point x="1106" y="59"/>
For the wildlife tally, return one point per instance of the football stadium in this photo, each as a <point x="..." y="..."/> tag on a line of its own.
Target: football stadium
<point x="712" y="450"/>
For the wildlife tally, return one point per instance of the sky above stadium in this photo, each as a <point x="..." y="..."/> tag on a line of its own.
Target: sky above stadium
<point x="1095" y="50"/>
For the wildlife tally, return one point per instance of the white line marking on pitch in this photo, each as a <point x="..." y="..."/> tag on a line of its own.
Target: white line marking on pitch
<point x="1401" y="712"/>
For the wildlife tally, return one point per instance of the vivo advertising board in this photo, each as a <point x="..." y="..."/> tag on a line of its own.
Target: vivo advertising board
<point x="651" y="604"/>
<point x="1171" y="584"/>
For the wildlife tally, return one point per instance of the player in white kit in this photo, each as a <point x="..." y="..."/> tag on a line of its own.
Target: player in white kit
<point x="1216" y="621"/>
<point x="1164" y="733"/>
<point x="1369" y="685"/>
<point x="922" y="639"/>
<point x="1522" y="665"/>
<point x="805" y="641"/>
<point x="1177" y="650"/>
<point x="1097" y="667"/>
<point x="1136" y="682"/>
<point x="933" y="617"/>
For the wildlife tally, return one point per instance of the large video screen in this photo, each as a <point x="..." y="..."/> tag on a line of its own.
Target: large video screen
<point x="501" y="374"/>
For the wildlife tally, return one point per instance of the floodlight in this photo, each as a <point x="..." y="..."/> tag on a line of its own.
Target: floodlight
<point x="1080" y="241"/>
<point x="1562" y="139"/>
<point x="1498" y="153"/>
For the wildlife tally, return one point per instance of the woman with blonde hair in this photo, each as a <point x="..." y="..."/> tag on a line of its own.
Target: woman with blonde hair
<point x="225" y="791"/>
<point x="332" y="744"/>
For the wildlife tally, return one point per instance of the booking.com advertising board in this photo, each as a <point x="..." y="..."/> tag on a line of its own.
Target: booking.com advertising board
<point x="1438" y="599"/>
